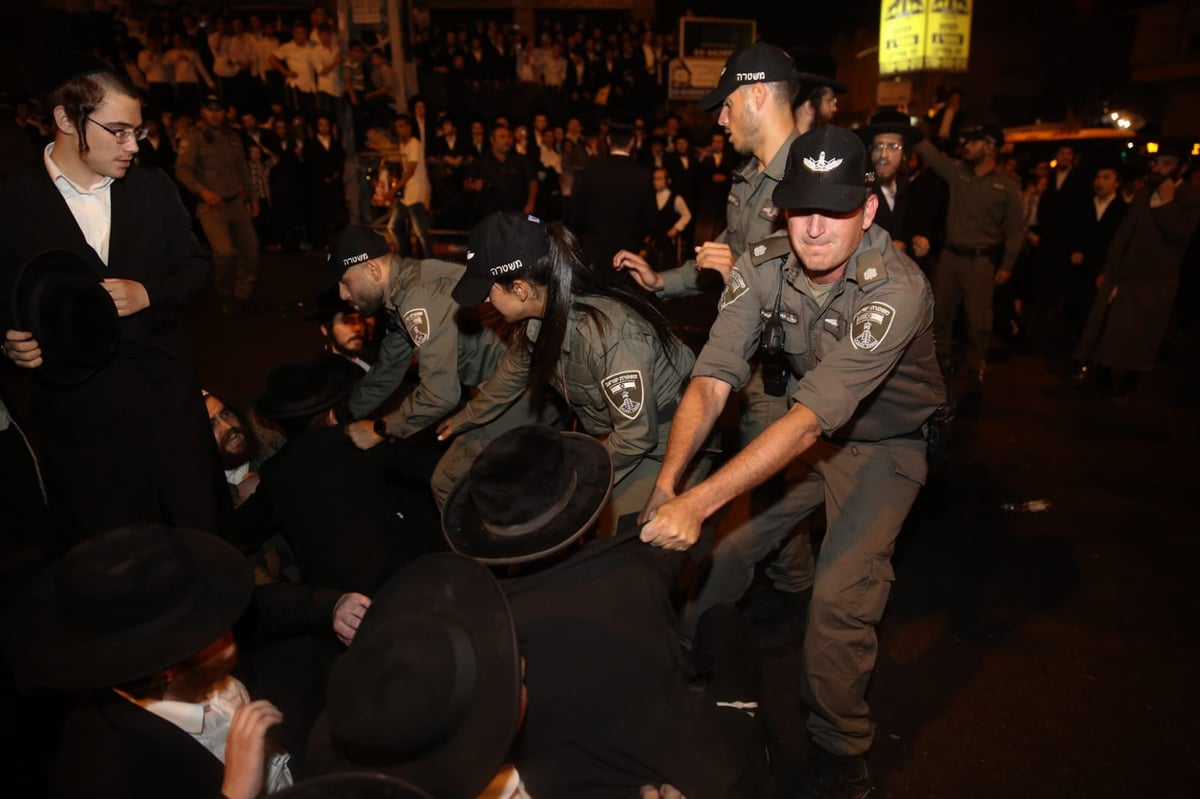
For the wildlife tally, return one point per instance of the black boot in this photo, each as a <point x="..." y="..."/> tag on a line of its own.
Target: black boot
<point x="836" y="776"/>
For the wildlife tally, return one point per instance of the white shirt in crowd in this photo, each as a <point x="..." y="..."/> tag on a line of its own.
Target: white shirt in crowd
<point x="187" y="67"/>
<point x="152" y="66"/>
<point x="90" y="205"/>
<point x="418" y="189"/>
<point x="320" y="58"/>
<point x="208" y="723"/>
<point x="296" y="57"/>
<point x="681" y="208"/>
<point x="1102" y="204"/>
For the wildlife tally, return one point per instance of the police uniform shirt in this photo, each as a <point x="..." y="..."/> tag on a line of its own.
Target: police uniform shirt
<point x="424" y="319"/>
<point x="213" y="158"/>
<point x="864" y="354"/>
<point x="615" y="376"/>
<point x="984" y="210"/>
<point x="750" y="215"/>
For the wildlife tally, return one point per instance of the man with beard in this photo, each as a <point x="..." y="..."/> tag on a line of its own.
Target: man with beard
<point x="137" y="621"/>
<point x="1136" y="288"/>
<point x="346" y="334"/>
<point x="240" y="447"/>
<point x="985" y="229"/>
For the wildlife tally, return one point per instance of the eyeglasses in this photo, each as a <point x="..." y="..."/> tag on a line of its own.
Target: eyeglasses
<point x="887" y="147"/>
<point x="122" y="135"/>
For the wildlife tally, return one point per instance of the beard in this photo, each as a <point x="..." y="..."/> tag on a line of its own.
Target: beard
<point x="233" y="454"/>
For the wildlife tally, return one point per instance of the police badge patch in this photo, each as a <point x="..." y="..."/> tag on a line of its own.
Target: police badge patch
<point x="624" y="390"/>
<point x="871" y="325"/>
<point x="735" y="288"/>
<point x="416" y="322"/>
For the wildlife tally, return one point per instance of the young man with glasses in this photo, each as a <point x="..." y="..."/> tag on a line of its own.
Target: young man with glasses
<point x="130" y="441"/>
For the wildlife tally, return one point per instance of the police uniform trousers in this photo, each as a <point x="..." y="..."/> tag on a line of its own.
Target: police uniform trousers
<point x="465" y="447"/>
<point x="230" y="233"/>
<point x="867" y="489"/>
<point x="971" y="280"/>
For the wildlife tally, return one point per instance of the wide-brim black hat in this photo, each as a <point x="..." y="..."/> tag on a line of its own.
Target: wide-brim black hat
<point x="430" y="690"/>
<point x="352" y="785"/>
<point x="125" y="604"/>
<point x="306" y="388"/>
<point x="58" y="297"/>
<point x="816" y="68"/>
<point x="890" y="121"/>
<point x="530" y="493"/>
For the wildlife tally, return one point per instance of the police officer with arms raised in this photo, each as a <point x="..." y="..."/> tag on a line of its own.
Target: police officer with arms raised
<point x="853" y="318"/>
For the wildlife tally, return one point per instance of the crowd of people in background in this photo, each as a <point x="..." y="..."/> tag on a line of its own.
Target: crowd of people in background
<point x="557" y="150"/>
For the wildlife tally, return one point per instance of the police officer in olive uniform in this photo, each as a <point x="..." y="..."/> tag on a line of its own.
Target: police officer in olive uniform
<point x="212" y="165"/>
<point x="853" y="318"/>
<point x="619" y="373"/>
<point x="453" y="349"/>
<point x="985" y="228"/>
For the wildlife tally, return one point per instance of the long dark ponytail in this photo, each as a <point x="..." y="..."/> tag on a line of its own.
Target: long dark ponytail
<point x="568" y="281"/>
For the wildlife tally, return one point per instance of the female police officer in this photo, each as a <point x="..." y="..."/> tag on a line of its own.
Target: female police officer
<point x="606" y="350"/>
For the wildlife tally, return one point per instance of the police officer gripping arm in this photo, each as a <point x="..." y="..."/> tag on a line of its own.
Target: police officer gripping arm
<point x="853" y="319"/>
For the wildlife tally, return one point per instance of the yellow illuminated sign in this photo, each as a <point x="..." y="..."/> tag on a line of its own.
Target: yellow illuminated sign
<point x="924" y="34"/>
<point x="1151" y="147"/>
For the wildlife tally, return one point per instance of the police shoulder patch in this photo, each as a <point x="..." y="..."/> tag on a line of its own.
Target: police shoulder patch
<point x="416" y="321"/>
<point x="869" y="268"/>
<point x="735" y="287"/>
<point x="626" y="393"/>
<point x="871" y="325"/>
<point x="770" y="248"/>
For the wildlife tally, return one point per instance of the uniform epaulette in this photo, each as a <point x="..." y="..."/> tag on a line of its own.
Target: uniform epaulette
<point x="869" y="268"/>
<point x="774" y="246"/>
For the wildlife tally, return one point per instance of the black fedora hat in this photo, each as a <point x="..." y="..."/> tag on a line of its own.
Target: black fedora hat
<point x="530" y="493"/>
<point x="58" y="297"/>
<point x="430" y="690"/>
<point x="125" y="604"/>
<point x="890" y="121"/>
<point x="816" y="68"/>
<point x="352" y="785"/>
<point x="308" y="387"/>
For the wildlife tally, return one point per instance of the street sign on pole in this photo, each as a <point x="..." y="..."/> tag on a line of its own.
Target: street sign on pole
<point x="916" y="35"/>
<point x="704" y="45"/>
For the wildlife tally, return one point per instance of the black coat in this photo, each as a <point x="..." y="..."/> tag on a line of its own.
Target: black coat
<point x="112" y="749"/>
<point x="334" y="505"/>
<point x="612" y="208"/>
<point x="609" y="708"/>
<point x="132" y="443"/>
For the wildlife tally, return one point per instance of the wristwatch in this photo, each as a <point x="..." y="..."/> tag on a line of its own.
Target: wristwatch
<point x="380" y="428"/>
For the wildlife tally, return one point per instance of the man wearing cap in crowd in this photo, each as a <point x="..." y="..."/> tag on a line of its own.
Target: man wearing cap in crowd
<point x="136" y="620"/>
<point x="985" y="229"/>
<point x="120" y="425"/>
<point x="212" y="165"/>
<point x="453" y="349"/>
<point x="854" y="318"/>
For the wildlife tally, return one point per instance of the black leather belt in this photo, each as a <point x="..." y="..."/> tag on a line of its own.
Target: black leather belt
<point x="974" y="252"/>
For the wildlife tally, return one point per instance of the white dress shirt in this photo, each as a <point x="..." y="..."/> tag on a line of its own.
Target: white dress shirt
<point x="91" y="205"/>
<point x="208" y="723"/>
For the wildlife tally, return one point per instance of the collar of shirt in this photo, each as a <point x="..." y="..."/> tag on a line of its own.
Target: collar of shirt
<point x="236" y="476"/>
<point x="1102" y="205"/>
<point x="187" y="716"/>
<point x="888" y="190"/>
<point x="60" y="178"/>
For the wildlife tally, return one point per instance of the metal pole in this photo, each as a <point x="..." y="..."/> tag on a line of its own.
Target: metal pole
<point x="396" y="43"/>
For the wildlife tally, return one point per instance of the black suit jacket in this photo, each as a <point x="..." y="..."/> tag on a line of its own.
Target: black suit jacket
<point x="1091" y="236"/>
<point x="112" y="749"/>
<point x="612" y="207"/>
<point x="609" y="708"/>
<point x="335" y="506"/>
<point x="131" y="443"/>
